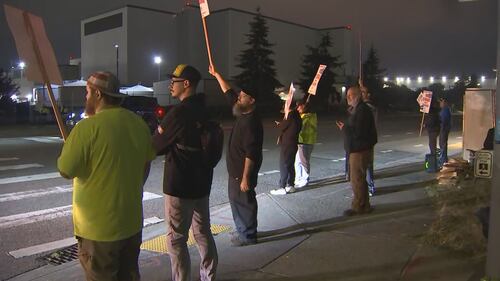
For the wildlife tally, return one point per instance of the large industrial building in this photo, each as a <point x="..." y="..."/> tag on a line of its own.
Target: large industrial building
<point x="126" y="40"/>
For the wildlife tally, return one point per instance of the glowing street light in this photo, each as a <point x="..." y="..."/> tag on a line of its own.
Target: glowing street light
<point x="456" y="79"/>
<point x="431" y="79"/>
<point x="483" y="78"/>
<point x="408" y="80"/>
<point x="443" y="79"/>
<point x="386" y="79"/>
<point x="419" y="79"/>
<point x="21" y="66"/>
<point x="158" y="60"/>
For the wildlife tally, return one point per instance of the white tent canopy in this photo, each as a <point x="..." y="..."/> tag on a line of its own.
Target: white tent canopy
<point x="135" y="90"/>
<point x="77" y="83"/>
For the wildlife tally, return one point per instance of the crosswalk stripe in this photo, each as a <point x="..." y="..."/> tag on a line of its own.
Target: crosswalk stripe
<point x="6" y="197"/>
<point x="49" y="214"/>
<point x="9" y="159"/>
<point x="20" y="167"/>
<point x="45" y="139"/>
<point x="63" y="243"/>
<point x="269" y="172"/>
<point x="30" y="178"/>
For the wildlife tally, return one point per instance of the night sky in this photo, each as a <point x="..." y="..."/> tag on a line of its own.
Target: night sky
<point x="413" y="37"/>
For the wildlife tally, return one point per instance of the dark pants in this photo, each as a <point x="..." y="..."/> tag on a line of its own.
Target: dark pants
<point x="370" y="176"/>
<point x="443" y="146"/>
<point x="433" y="135"/>
<point x="110" y="261"/>
<point x="358" y="164"/>
<point x="244" y="209"/>
<point x="287" y="165"/>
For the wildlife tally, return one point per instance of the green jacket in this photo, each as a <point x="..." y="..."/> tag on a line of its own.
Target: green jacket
<point x="309" y="131"/>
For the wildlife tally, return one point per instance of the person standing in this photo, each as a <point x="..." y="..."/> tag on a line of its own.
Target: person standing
<point x="288" y="141"/>
<point x="370" y="177"/>
<point x="360" y="137"/>
<point x="187" y="180"/>
<point x="243" y="159"/>
<point x="108" y="157"/>
<point x="307" y="139"/>
<point x="445" y="118"/>
<point x="432" y="124"/>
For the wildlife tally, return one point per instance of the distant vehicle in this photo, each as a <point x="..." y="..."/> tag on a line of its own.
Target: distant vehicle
<point x="146" y="107"/>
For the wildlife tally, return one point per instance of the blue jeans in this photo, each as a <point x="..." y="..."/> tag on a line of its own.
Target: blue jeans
<point x="443" y="146"/>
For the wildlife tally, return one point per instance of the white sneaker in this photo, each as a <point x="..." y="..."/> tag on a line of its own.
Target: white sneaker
<point x="279" y="191"/>
<point x="290" y="189"/>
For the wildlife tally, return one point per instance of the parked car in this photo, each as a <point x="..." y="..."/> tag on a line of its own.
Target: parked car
<point x="146" y="107"/>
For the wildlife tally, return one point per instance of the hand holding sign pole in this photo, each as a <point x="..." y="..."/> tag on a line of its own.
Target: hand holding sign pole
<point x="289" y="99"/>
<point x="34" y="47"/>
<point x="205" y="12"/>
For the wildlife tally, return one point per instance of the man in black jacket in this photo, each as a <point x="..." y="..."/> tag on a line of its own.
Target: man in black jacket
<point x="243" y="159"/>
<point x="360" y="137"/>
<point x="288" y="140"/>
<point x="187" y="180"/>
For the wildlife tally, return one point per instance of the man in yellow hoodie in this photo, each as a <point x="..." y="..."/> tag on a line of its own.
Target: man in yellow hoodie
<point x="307" y="139"/>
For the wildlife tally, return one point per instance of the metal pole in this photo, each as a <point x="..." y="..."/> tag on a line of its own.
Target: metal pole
<point x="117" y="63"/>
<point x="159" y="72"/>
<point x="493" y="257"/>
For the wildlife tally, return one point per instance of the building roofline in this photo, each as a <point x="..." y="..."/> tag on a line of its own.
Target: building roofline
<point x="271" y="18"/>
<point x="150" y="9"/>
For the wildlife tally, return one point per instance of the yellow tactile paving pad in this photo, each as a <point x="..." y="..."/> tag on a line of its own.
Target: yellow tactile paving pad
<point x="159" y="243"/>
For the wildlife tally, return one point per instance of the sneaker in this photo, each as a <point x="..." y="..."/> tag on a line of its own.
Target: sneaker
<point x="290" y="189"/>
<point x="237" y="241"/>
<point x="301" y="184"/>
<point x="279" y="191"/>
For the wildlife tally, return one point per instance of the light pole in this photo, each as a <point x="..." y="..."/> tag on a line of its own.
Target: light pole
<point x="117" y="47"/>
<point x="21" y="66"/>
<point x="157" y="60"/>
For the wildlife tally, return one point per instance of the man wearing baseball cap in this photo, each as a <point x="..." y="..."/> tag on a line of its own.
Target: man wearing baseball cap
<point x="187" y="180"/>
<point x="243" y="159"/>
<point x="108" y="157"/>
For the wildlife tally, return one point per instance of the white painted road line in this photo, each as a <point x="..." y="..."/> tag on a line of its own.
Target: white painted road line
<point x="269" y="172"/>
<point x="45" y="139"/>
<point x="459" y="138"/>
<point x="418" y="145"/>
<point x="42" y="248"/>
<point x="30" y="178"/>
<point x="386" y="151"/>
<point x="20" y="167"/>
<point x="51" y="246"/>
<point x="338" y="160"/>
<point x="34" y="193"/>
<point x="265" y="150"/>
<point x="9" y="159"/>
<point x="409" y="133"/>
<point x="151" y="221"/>
<point x="49" y="214"/>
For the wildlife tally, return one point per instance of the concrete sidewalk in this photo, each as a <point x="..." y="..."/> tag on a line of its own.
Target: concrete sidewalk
<point x="303" y="236"/>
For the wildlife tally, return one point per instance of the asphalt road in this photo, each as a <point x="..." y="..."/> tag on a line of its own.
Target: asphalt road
<point x="35" y="203"/>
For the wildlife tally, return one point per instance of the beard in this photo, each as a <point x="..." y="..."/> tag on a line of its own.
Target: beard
<point x="240" y="109"/>
<point x="90" y="107"/>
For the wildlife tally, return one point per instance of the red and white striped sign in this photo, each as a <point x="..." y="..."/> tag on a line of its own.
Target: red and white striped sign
<point x="424" y="100"/>
<point x="314" y="85"/>
<point x="205" y="11"/>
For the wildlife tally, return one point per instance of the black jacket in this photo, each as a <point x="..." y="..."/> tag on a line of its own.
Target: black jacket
<point x="359" y="130"/>
<point x="185" y="176"/>
<point x="290" y="129"/>
<point x="245" y="141"/>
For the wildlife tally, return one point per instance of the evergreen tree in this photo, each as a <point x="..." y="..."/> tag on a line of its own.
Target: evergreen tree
<point x="310" y="63"/>
<point x="372" y="73"/>
<point x="258" y="74"/>
<point x="7" y="90"/>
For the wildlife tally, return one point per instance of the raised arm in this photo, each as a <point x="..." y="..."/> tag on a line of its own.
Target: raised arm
<point x="224" y="85"/>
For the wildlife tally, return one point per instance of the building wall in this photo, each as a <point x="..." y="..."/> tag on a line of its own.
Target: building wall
<point x="150" y="33"/>
<point x="98" y="49"/>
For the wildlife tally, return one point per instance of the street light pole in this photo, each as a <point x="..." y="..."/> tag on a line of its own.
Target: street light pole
<point x="158" y="60"/>
<point x="117" y="47"/>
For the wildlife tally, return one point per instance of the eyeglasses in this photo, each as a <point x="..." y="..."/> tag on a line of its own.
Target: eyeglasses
<point x="174" y="81"/>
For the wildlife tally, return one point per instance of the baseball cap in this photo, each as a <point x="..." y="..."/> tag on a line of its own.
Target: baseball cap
<point x="106" y="82"/>
<point x="187" y="72"/>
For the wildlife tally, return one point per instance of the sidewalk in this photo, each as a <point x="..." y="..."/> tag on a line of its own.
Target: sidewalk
<point x="303" y="236"/>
